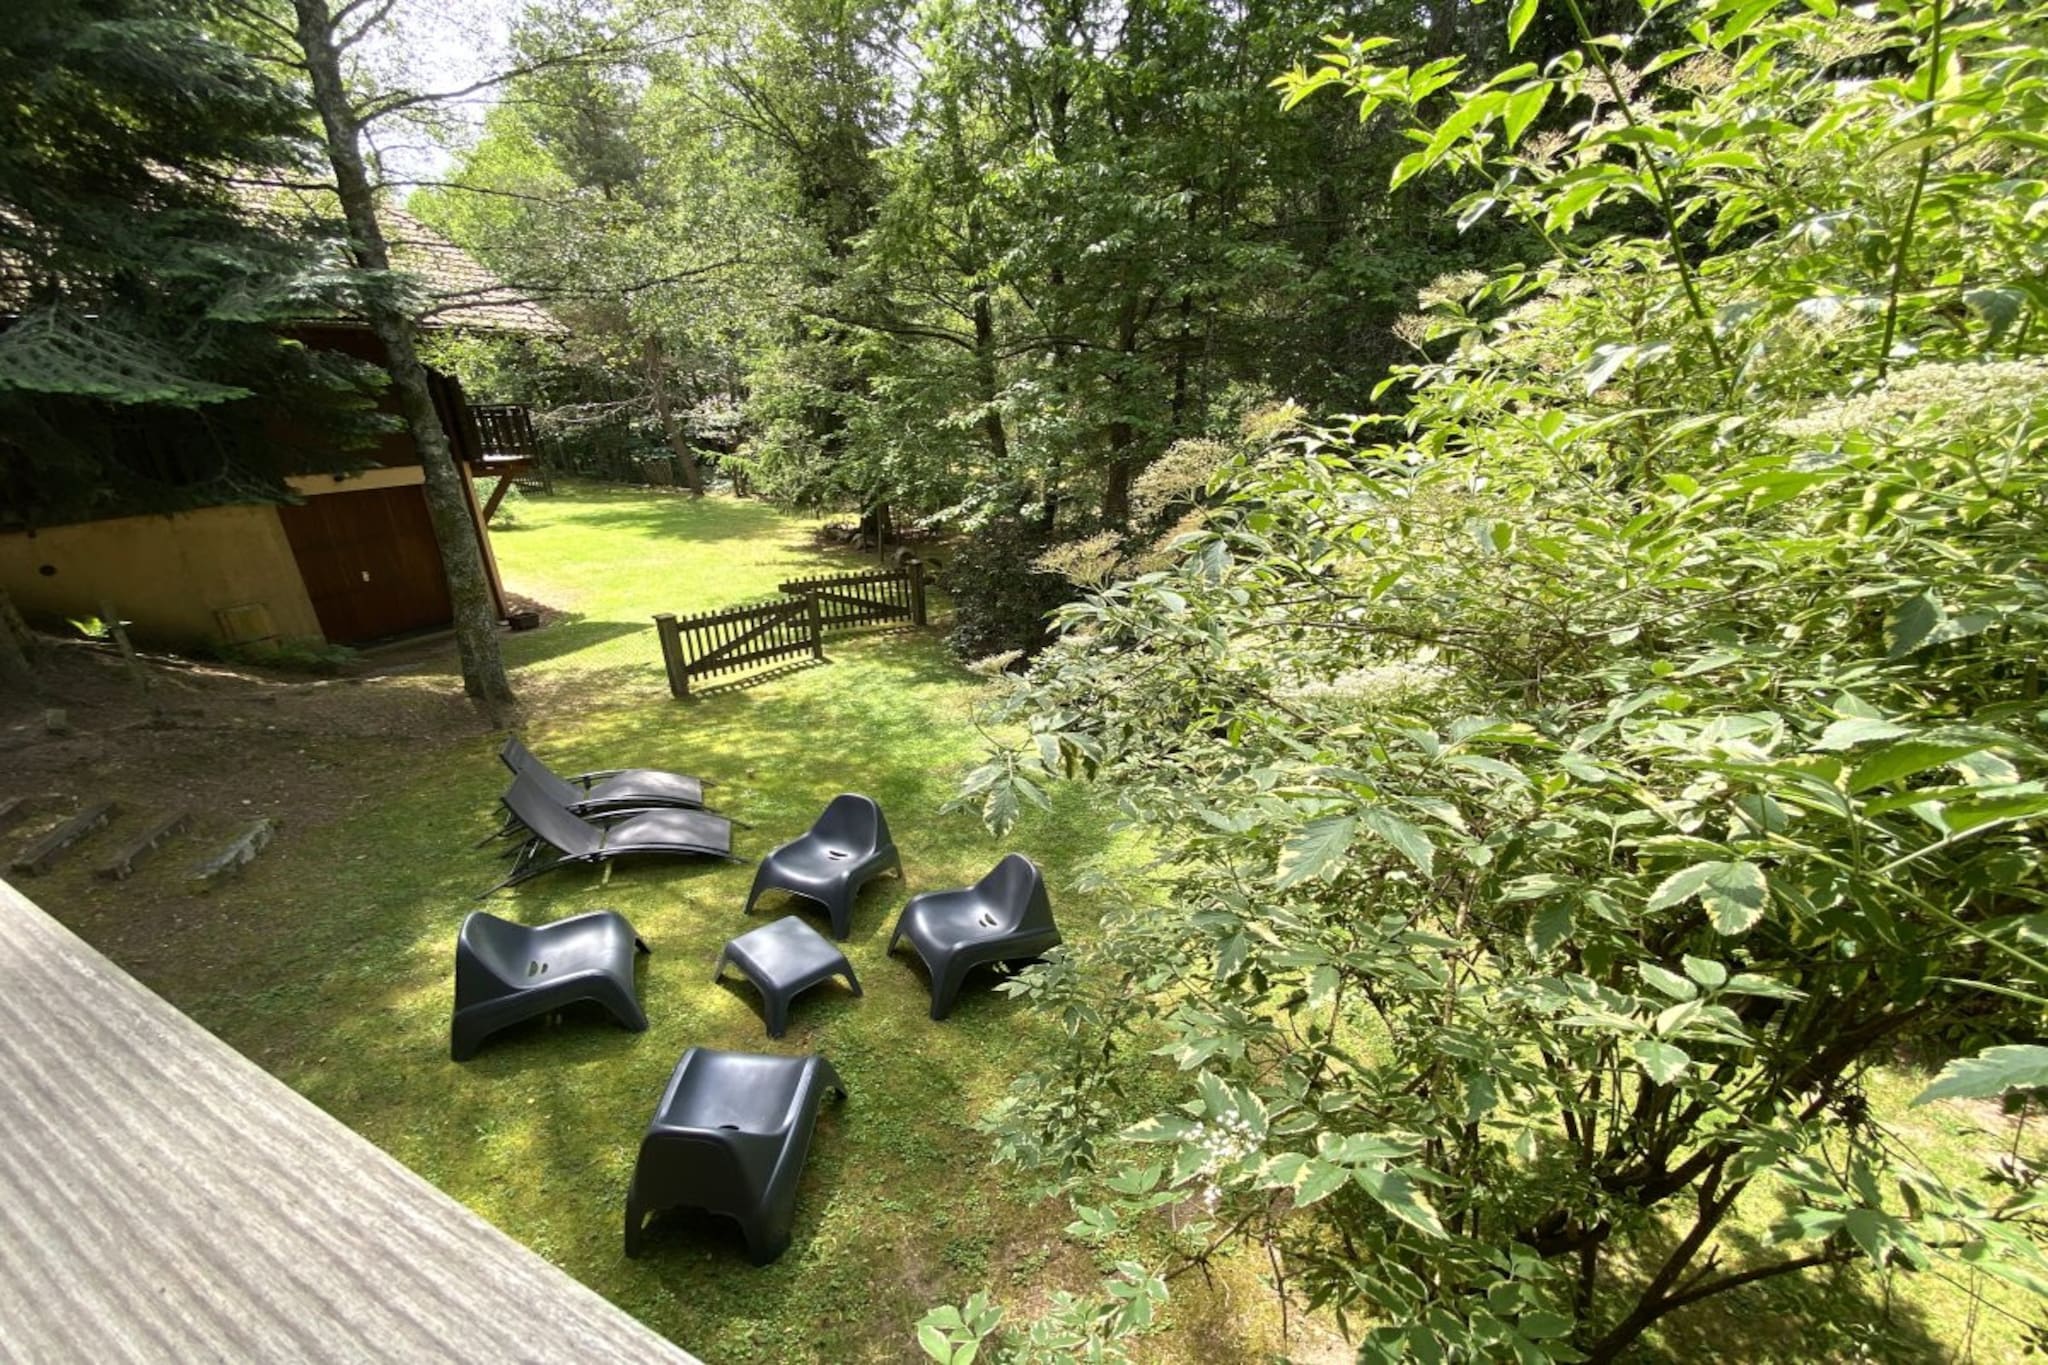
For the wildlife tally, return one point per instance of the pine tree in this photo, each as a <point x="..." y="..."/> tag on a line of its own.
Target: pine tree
<point x="135" y="280"/>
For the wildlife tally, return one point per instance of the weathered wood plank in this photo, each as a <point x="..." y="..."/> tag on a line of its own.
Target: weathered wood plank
<point x="37" y="857"/>
<point x="122" y="865"/>
<point x="162" y="1198"/>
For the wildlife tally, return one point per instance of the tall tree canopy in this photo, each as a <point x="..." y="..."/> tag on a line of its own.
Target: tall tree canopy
<point x="980" y="264"/>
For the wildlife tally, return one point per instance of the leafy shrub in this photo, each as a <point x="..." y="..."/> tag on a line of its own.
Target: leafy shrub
<point x="1001" y="599"/>
<point x="1564" y="799"/>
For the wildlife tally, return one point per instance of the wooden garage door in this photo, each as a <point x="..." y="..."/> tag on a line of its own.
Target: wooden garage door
<point x="370" y="562"/>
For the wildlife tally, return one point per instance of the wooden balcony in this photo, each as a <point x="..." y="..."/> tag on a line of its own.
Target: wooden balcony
<point x="163" y="1198"/>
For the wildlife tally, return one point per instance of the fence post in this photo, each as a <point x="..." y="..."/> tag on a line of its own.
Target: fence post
<point x="672" y="655"/>
<point x="817" y="621"/>
<point x="916" y="568"/>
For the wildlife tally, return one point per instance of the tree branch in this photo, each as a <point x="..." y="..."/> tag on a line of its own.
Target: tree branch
<point x="1826" y="1256"/>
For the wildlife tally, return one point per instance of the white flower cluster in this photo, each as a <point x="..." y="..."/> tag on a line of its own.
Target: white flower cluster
<point x="1704" y="74"/>
<point x="1161" y="554"/>
<point x="1456" y="287"/>
<point x="1223" y="1140"/>
<point x="1376" y="686"/>
<point x="1182" y="472"/>
<point x="1090" y="562"/>
<point x="1981" y="393"/>
<point x="995" y="665"/>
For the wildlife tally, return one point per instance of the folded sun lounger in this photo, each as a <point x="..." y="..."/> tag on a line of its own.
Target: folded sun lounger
<point x="562" y="838"/>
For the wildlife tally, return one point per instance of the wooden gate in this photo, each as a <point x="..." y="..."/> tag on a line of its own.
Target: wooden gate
<point x="727" y="641"/>
<point x="848" y="600"/>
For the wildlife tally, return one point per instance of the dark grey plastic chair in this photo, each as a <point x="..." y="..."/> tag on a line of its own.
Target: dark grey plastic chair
<point x="506" y="972"/>
<point x="604" y="792"/>
<point x="1004" y="917"/>
<point x="847" y="847"/>
<point x="729" y="1137"/>
<point x="576" y="841"/>
<point x="783" y="960"/>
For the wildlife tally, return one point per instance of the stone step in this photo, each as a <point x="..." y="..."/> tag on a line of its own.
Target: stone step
<point x="122" y="865"/>
<point x="241" y="851"/>
<point x="39" y="855"/>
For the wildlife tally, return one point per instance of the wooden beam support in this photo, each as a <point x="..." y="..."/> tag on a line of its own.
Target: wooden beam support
<point x="497" y="496"/>
<point x="37" y="857"/>
<point x="122" y="865"/>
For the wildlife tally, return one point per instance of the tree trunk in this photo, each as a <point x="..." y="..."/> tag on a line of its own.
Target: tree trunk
<point x="686" y="458"/>
<point x="1442" y="40"/>
<point x="989" y="382"/>
<point x="1123" y="436"/>
<point x="476" y="638"/>
<point x="1116" y="493"/>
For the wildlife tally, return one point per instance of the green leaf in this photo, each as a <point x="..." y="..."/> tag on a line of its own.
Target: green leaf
<point x="1398" y="1195"/>
<point x="1710" y="974"/>
<point x="1550" y="926"/>
<point x="1847" y="734"/>
<point x="1669" y="982"/>
<point x="934" y="1343"/>
<point x="1413" y="844"/>
<point x="1322" y="984"/>
<point x="1524" y="105"/>
<point x="1680" y="886"/>
<point x="1748" y="983"/>
<point x="1734" y="897"/>
<point x="1913" y="624"/>
<point x="1905" y="757"/>
<point x="1518" y="21"/>
<point x="1732" y="893"/>
<point x="1315" y="849"/>
<point x="1661" y="1062"/>
<point x="1320" y="1179"/>
<point x="1989" y="1074"/>
<point x="1164" y="1128"/>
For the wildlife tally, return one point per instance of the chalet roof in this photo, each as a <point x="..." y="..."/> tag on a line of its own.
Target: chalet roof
<point x="462" y="291"/>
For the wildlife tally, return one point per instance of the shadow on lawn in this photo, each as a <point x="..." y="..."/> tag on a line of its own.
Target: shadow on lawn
<point x="571" y="635"/>
<point x="700" y="520"/>
<point x="1835" y="1313"/>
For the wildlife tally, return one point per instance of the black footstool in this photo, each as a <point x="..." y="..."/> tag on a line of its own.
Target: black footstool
<point x="783" y="960"/>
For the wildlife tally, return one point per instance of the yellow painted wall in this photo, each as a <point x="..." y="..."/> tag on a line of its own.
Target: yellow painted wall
<point x="167" y="575"/>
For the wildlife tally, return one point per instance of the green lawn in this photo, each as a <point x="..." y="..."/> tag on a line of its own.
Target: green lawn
<point x="352" y="925"/>
<point x="329" y="963"/>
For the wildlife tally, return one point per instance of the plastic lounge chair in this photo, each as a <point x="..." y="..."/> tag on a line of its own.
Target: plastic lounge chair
<point x="605" y="792"/>
<point x="1004" y="917"/>
<point x="506" y="972"/>
<point x="575" y="840"/>
<point x="828" y="865"/>
<point x="729" y="1137"/>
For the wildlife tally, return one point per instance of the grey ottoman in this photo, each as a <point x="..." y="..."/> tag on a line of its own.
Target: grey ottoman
<point x="783" y="960"/>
